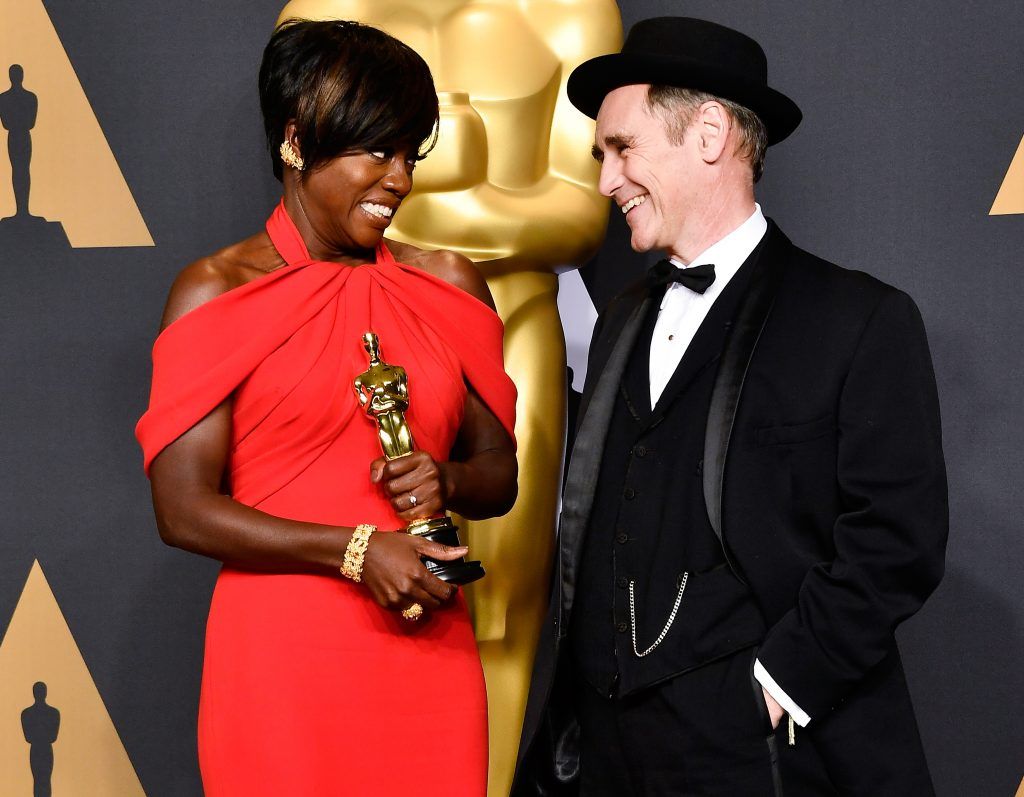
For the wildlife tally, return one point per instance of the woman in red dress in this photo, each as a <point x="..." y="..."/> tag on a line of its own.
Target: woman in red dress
<point x="260" y="455"/>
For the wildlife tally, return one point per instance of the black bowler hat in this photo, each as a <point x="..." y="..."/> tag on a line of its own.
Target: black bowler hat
<point x="693" y="54"/>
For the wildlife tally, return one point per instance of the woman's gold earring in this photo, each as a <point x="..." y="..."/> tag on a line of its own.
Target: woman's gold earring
<point x="290" y="156"/>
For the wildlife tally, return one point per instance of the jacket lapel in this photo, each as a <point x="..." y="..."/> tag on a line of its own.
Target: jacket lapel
<point x="585" y="464"/>
<point x="635" y="384"/>
<point x="701" y="352"/>
<point x="606" y="335"/>
<point x="709" y="340"/>
<point x="737" y="353"/>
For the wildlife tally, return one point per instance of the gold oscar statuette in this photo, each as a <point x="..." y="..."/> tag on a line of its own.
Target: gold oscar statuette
<point x="383" y="393"/>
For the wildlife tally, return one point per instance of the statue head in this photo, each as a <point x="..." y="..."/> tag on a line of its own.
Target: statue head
<point x="372" y="345"/>
<point x="39" y="691"/>
<point x="17" y="75"/>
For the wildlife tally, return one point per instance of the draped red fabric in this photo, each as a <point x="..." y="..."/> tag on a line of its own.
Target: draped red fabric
<point x="307" y="318"/>
<point x="310" y="687"/>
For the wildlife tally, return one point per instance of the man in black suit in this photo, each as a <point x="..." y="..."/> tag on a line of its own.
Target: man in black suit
<point x="756" y="497"/>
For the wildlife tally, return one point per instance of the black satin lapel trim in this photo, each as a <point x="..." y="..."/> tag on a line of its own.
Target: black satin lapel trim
<point x="732" y="371"/>
<point x="585" y="464"/>
<point x="636" y="378"/>
<point x="604" y="342"/>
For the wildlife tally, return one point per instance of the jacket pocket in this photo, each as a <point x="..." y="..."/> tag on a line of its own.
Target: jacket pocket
<point x="762" y="707"/>
<point x="769" y="731"/>
<point x="789" y="434"/>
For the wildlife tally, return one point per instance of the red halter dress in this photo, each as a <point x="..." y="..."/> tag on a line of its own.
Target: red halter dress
<point x="309" y="687"/>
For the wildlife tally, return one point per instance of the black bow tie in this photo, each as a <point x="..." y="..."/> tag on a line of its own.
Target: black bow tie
<point x="698" y="278"/>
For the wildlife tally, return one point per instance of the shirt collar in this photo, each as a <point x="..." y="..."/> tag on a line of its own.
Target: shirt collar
<point x="729" y="253"/>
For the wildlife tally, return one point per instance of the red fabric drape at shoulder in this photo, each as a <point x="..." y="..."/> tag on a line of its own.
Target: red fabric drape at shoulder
<point x="307" y="319"/>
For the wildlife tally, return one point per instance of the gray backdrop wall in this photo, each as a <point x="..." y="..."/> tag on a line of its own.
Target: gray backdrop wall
<point x="913" y="112"/>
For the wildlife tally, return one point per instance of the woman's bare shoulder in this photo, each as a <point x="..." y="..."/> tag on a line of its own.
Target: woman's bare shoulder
<point x="450" y="266"/>
<point x="210" y="276"/>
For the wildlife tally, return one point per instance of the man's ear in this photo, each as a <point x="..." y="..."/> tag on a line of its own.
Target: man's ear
<point x="712" y="125"/>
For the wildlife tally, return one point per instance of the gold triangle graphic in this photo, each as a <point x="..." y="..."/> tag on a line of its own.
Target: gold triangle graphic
<point x="1010" y="198"/>
<point x="88" y="758"/>
<point x="1020" y="790"/>
<point x="75" y="179"/>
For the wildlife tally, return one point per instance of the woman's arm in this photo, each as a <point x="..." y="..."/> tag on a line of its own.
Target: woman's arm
<point x="480" y="481"/>
<point x="194" y="513"/>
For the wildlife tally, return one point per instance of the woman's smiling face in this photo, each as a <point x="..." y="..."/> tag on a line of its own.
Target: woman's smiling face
<point x="350" y="200"/>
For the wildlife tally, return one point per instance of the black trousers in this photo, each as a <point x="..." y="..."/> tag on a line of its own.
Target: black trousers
<point x="706" y="732"/>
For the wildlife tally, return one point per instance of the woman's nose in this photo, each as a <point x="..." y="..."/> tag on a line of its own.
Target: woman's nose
<point x="398" y="180"/>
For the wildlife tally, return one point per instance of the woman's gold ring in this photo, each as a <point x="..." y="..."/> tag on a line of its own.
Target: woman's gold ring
<point x="413" y="613"/>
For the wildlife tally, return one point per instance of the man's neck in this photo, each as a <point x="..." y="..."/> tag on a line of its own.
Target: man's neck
<point x="724" y="211"/>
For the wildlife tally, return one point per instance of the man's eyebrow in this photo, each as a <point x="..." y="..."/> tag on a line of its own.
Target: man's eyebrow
<point x="615" y="141"/>
<point x="619" y="140"/>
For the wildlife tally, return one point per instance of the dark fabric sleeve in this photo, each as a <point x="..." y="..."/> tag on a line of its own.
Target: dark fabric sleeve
<point x="890" y="538"/>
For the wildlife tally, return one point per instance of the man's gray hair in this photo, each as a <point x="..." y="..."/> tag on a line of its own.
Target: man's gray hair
<point x="677" y="107"/>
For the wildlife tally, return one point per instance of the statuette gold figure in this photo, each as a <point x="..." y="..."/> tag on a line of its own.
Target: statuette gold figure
<point x="383" y="392"/>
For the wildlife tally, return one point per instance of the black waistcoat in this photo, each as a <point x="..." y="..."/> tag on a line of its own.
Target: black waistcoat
<point x="649" y="526"/>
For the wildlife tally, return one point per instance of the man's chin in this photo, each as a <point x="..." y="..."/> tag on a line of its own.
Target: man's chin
<point x="640" y="243"/>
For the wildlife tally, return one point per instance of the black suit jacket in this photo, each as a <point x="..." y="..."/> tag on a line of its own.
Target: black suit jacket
<point x="823" y="477"/>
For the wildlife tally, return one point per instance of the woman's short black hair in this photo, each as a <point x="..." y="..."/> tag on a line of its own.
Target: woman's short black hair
<point x="347" y="86"/>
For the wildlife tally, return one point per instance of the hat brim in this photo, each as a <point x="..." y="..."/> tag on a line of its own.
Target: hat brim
<point x="591" y="81"/>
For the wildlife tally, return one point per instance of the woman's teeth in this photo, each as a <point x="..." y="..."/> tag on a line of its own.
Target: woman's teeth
<point x="381" y="211"/>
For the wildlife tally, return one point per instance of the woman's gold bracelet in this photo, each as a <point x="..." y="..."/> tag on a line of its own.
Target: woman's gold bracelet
<point x="356" y="550"/>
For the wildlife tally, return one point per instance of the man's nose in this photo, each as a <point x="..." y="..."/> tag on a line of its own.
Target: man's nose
<point x="611" y="176"/>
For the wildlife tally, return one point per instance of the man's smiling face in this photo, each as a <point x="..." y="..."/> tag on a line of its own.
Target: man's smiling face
<point x="651" y="179"/>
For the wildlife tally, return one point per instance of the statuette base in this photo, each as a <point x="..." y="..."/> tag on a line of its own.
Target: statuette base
<point x="443" y="531"/>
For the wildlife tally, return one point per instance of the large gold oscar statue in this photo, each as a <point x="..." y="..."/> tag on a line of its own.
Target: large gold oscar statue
<point x="512" y="185"/>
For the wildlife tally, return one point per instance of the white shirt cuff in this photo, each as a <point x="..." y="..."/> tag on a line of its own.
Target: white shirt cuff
<point x="799" y="716"/>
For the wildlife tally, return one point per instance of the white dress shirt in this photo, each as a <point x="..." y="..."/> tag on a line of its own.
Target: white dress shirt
<point x="683" y="311"/>
<point x="681" y="314"/>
